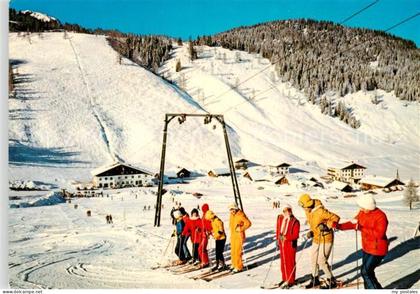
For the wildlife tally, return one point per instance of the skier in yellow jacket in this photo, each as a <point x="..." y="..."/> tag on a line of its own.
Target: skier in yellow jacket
<point x="238" y="224"/>
<point x="321" y="223"/>
<point x="218" y="233"/>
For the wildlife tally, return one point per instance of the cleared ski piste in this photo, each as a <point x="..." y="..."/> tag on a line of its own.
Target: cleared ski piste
<point x="58" y="246"/>
<point x="78" y="109"/>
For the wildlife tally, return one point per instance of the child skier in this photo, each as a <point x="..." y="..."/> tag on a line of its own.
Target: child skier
<point x="192" y="229"/>
<point x="218" y="233"/>
<point x="287" y="233"/>
<point x="179" y="228"/>
<point x="238" y="223"/>
<point x="372" y="223"/>
<point x="321" y="222"/>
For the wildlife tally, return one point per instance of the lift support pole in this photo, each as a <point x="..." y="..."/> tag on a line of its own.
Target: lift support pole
<point x="207" y="119"/>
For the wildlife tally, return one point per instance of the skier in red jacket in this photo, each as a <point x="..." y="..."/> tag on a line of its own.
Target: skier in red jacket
<point x="205" y="228"/>
<point x="192" y="229"/>
<point x="372" y="223"/>
<point x="287" y="233"/>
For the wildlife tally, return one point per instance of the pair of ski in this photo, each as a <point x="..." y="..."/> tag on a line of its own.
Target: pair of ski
<point x="340" y="285"/>
<point x="214" y="275"/>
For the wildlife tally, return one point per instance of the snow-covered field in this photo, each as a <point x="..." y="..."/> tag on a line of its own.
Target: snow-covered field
<point x="60" y="247"/>
<point x="76" y="109"/>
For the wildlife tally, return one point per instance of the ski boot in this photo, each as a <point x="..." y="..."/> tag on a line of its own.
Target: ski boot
<point x="329" y="284"/>
<point x="313" y="283"/>
<point x="215" y="268"/>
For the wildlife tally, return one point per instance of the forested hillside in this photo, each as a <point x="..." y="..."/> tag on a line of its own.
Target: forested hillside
<point x="319" y="56"/>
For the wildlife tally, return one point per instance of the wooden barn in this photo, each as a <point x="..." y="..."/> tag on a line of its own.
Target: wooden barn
<point x="118" y="175"/>
<point x="376" y="182"/>
<point x="281" y="181"/>
<point x="341" y="186"/>
<point x="241" y="163"/>
<point x="219" y="172"/>
<point x="183" y="173"/>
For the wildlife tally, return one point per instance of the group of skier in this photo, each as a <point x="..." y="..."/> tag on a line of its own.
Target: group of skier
<point x="370" y="221"/>
<point x="200" y="229"/>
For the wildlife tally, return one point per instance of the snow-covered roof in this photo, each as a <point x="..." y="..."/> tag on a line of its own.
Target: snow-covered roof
<point x="240" y="160"/>
<point x="339" y="185"/>
<point x="258" y="174"/>
<point x="346" y="165"/>
<point x="41" y="16"/>
<point x="283" y="164"/>
<point x="377" y="181"/>
<point x="220" y="171"/>
<point x="105" y="168"/>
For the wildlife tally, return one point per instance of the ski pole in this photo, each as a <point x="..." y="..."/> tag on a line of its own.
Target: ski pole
<point x="299" y="258"/>
<point x="271" y="263"/>
<point x="357" y="260"/>
<point x="332" y="258"/>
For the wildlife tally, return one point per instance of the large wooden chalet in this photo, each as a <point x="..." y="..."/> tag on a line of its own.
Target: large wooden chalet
<point x="376" y="182"/>
<point x="349" y="173"/>
<point x="280" y="169"/>
<point x="119" y="175"/>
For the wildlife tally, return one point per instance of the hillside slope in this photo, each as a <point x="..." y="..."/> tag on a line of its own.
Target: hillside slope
<point x="77" y="107"/>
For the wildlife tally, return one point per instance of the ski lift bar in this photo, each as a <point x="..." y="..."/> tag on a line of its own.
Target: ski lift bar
<point x="181" y="119"/>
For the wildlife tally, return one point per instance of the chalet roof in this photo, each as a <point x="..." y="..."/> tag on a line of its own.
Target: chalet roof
<point x="340" y="185"/>
<point x="257" y="174"/>
<point x="220" y="171"/>
<point x="283" y="164"/>
<point x="380" y="181"/>
<point x="277" y="179"/>
<point x="353" y="166"/>
<point x="241" y="160"/>
<point x="108" y="167"/>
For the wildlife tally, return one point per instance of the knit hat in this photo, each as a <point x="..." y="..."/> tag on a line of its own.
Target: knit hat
<point x="204" y="208"/>
<point x="209" y="215"/>
<point x="177" y="214"/>
<point x="366" y="202"/>
<point x="287" y="205"/>
<point x="233" y="206"/>
<point x="305" y="201"/>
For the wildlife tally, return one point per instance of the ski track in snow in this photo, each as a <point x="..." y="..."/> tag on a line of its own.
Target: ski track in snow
<point x="102" y="125"/>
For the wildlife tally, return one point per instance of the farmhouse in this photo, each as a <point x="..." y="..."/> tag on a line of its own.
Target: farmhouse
<point x="280" y="169"/>
<point x="178" y="174"/>
<point x="118" y="175"/>
<point x="375" y="182"/>
<point x="241" y="163"/>
<point x="349" y="173"/>
<point x="219" y="172"/>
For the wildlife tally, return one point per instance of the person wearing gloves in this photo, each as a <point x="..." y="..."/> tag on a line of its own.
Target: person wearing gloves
<point x="321" y="223"/>
<point x="287" y="233"/>
<point x="184" y="238"/>
<point x="238" y="224"/>
<point x="372" y="223"/>
<point x="205" y="228"/>
<point x="218" y="233"/>
<point x="178" y="231"/>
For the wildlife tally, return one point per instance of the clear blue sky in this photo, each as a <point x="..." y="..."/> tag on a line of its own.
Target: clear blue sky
<point x="184" y="18"/>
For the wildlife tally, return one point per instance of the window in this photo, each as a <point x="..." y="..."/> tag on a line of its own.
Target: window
<point x="126" y="177"/>
<point x="119" y="178"/>
<point x="106" y="178"/>
<point x="100" y="179"/>
<point x="132" y="177"/>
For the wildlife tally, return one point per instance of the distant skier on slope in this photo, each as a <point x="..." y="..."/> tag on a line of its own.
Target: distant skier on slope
<point x="321" y="222"/>
<point x="238" y="224"/>
<point x="218" y="233"/>
<point x="372" y="223"/>
<point x="287" y="233"/>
